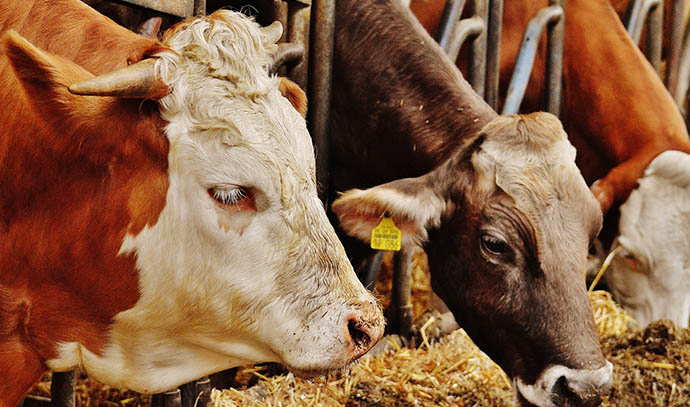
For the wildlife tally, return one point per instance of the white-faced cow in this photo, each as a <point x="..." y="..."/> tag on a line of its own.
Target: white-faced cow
<point x="506" y="216"/>
<point x="650" y="276"/>
<point x="163" y="224"/>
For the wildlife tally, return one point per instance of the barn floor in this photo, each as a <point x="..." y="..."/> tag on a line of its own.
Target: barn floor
<point x="651" y="368"/>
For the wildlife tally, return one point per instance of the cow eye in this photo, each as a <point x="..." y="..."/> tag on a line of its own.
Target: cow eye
<point x="495" y="245"/>
<point x="230" y="196"/>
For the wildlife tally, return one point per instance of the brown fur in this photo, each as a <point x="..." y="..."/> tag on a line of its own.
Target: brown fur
<point x="76" y="174"/>
<point x="616" y="110"/>
<point x="401" y="109"/>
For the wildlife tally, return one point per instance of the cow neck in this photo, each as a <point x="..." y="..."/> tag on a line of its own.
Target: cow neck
<point x="79" y="33"/>
<point x="413" y="103"/>
<point x="70" y="195"/>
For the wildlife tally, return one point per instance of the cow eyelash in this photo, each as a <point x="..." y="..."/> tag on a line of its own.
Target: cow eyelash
<point x="228" y="196"/>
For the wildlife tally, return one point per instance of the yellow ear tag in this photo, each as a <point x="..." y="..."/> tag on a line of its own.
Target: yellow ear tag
<point x="386" y="236"/>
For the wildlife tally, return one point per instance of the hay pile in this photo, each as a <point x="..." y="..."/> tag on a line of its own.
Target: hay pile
<point x="452" y="372"/>
<point x="651" y="368"/>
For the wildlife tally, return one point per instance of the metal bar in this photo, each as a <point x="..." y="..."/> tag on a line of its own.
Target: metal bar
<point x="655" y="32"/>
<point x="493" y="56"/>
<point x="320" y="89"/>
<point x="638" y="12"/>
<point x="681" y="91"/>
<point x="172" y="398"/>
<point x="62" y="389"/>
<point x="401" y="302"/>
<point x="446" y="26"/>
<point x="477" y="74"/>
<point x="525" y="60"/>
<point x="554" y="60"/>
<point x="469" y="27"/>
<point x="188" y="394"/>
<point x="299" y="16"/>
<point x="203" y="392"/>
<point x="675" y="44"/>
<point x="180" y="8"/>
<point x="199" y="7"/>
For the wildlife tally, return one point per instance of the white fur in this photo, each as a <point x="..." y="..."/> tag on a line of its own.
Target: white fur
<point x="579" y="381"/>
<point x="279" y="288"/>
<point x="416" y="212"/>
<point x="651" y="276"/>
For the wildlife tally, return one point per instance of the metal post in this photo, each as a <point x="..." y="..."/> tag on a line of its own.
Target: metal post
<point x="203" y="392"/>
<point x="525" y="59"/>
<point x="554" y="61"/>
<point x="655" y="34"/>
<point x="299" y="23"/>
<point x="493" y="55"/>
<point x="477" y="74"/>
<point x="453" y="32"/>
<point x="199" y="7"/>
<point x="675" y="44"/>
<point x="320" y="89"/>
<point x="62" y="389"/>
<point x="652" y="12"/>
<point x="401" y="301"/>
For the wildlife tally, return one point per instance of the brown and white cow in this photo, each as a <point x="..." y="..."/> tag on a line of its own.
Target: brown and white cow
<point x="506" y="216"/>
<point x="151" y="242"/>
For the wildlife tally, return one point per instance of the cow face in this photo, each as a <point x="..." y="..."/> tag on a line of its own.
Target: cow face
<point x="650" y="275"/>
<point x="239" y="264"/>
<point x="509" y="221"/>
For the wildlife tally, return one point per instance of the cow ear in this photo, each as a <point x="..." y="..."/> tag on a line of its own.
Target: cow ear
<point x="294" y="94"/>
<point x="45" y="77"/>
<point x="411" y="202"/>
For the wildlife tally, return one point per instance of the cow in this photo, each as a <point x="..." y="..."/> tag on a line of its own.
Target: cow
<point x="498" y="203"/>
<point x="159" y="218"/>
<point x="605" y="78"/>
<point x="650" y="276"/>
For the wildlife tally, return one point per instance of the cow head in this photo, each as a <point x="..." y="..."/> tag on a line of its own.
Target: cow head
<point x="509" y="220"/>
<point x="238" y="263"/>
<point x="650" y="274"/>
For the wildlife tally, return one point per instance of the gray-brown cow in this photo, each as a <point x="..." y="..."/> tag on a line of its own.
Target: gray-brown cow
<point x="503" y="211"/>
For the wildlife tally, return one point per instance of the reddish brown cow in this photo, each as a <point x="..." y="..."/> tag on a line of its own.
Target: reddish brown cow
<point x="164" y="223"/>
<point x="507" y="214"/>
<point x="616" y="110"/>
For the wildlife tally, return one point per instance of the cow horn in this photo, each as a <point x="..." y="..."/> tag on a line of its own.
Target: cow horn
<point x="287" y="52"/>
<point x="135" y="81"/>
<point x="273" y="32"/>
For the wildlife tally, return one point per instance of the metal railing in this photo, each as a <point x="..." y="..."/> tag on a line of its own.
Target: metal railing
<point x="553" y="19"/>
<point x="651" y="13"/>
<point x="453" y="32"/>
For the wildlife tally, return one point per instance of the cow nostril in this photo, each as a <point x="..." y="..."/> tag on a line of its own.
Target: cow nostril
<point x="566" y="392"/>
<point x="359" y="336"/>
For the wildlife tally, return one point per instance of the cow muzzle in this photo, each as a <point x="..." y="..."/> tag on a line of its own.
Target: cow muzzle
<point x="560" y="386"/>
<point x="364" y="329"/>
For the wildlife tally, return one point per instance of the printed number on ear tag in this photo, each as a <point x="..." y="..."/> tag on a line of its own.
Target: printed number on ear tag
<point x="386" y="236"/>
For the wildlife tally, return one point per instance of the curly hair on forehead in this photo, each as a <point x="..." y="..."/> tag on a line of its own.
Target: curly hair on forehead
<point x="225" y="45"/>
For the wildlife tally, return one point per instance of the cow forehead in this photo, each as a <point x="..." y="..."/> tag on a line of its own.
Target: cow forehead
<point x="221" y="95"/>
<point x="533" y="162"/>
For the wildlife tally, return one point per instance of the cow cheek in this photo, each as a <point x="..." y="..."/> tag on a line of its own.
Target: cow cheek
<point x="236" y="222"/>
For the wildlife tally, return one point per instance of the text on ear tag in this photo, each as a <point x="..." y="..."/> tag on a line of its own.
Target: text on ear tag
<point x="386" y="236"/>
